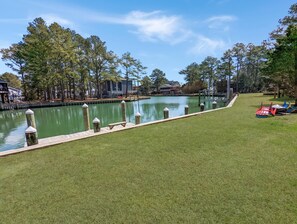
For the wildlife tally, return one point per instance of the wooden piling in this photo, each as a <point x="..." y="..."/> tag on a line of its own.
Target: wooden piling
<point x="137" y="118"/>
<point x="86" y="116"/>
<point x="30" y="118"/>
<point x="96" y="125"/>
<point x="214" y="105"/>
<point x="166" y="113"/>
<point x="31" y="136"/>
<point x="186" y="109"/>
<point x="123" y="106"/>
<point x="202" y="107"/>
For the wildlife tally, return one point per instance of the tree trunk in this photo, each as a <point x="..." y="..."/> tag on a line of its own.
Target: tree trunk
<point x="237" y="78"/>
<point x="278" y="91"/>
<point x="101" y="92"/>
<point x="82" y="88"/>
<point x="68" y="93"/>
<point x="97" y="87"/>
<point x="44" y="95"/>
<point x="62" y="91"/>
<point x="295" y="74"/>
<point x="229" y="80"/>
<point x="74" y="89"/>
<point x="49" y="96"/>
<point x="127" y="80"/>
<point x="24" y="87"/>
<point x="90" y="89"/>
<point x="54" y="92"/>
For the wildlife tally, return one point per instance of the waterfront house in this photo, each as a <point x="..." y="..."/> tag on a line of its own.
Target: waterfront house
<point x="115" y="89"/>
<point x="14" y="93"/>
<point x="168" y="89"/>
<point x="4" y="92"/>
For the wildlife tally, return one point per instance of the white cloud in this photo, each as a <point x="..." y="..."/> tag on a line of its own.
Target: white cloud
<point x="157" y="26"/>
<point x="51" y="18"/>
<point x="207" y="46"/>
<point x="149" y="26"/>
<point x="220" y="22"/>
<point x="154" y="25"/>
<point x="225" y="18"/>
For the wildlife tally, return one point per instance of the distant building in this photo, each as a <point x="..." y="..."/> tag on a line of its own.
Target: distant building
<point x="4" y="92"/>
<point x="14" y="93"/>
<point x="112" y="89"/>
<point x="168" y="89"/>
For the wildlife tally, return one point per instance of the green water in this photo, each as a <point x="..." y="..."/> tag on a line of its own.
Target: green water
<point x="55" y="121"/>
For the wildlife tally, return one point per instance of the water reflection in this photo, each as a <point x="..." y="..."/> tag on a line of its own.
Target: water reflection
<point x="12" y="126"/>
<point x="66" y="120"/>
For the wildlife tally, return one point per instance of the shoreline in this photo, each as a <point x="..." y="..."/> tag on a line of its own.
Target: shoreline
<point x="19" y="106"/>
<point x="40" y="104"/>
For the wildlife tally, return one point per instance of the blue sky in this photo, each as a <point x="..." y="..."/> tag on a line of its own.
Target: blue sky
<point x="164" y="34"/>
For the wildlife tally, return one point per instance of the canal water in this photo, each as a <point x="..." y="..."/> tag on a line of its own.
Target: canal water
<point x="55" y="121"/>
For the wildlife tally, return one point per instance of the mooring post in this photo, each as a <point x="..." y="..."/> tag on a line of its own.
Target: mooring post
<point x="123" y="105"/>
<point x="166" y="113"/>
<point x="96" y="125"/>
<point x="214" y="105"/>
<point x="30" y="118"/>
<point x="137" y="118"/>
<point x="186" y="109"/>
<point x="31" y="136"/>
<point x="202" y="107"/>
<point x="86" y="116"/>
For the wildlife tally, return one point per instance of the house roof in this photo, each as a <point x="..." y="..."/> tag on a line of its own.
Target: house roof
<point x="2" y="81"/>
<point x="15" y="89"/>
<point x="165" y="85"/>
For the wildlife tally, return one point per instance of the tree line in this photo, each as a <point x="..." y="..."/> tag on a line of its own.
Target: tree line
<point x="56" y="62"/>
<point x="11" y="79"/>
<point x="252" y="68"/>
<point x="281" y="67"/>
<point x="240" y="65"/>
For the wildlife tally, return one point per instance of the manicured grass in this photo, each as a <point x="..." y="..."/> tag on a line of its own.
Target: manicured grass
<point x="222" y="167"/>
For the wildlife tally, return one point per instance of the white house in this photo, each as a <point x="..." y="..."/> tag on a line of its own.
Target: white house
<point x="14" y="94"/>
<point x="114" y="89"/>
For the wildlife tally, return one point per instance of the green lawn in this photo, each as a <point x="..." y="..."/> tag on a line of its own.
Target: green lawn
<point x="221" y="167"/>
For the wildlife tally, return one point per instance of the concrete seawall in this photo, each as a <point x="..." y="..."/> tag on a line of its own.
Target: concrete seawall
<point x="17" y="106"/>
